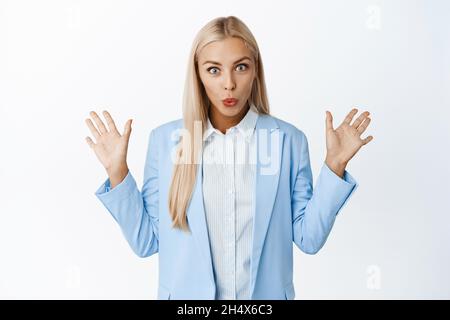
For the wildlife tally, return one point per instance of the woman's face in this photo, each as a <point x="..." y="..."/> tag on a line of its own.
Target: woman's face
<point x="227" y="70"/>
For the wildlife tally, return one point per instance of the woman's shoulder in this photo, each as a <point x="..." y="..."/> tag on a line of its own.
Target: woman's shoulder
<point x="171" y="128"/>
<point x="168" y="128"/>
<point x="288" y="128"/>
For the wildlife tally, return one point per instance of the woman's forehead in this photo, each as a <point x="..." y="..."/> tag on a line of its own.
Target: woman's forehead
<point x="227" y="50"/>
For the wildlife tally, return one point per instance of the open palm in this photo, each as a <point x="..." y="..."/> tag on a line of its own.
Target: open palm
<point x="345" y="141"/>
<point x="110" y="146"/>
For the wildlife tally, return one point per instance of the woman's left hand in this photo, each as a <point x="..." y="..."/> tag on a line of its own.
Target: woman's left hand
<point x="345" y="141"/>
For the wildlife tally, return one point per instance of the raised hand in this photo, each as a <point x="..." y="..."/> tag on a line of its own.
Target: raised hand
<point x="345" y="141"/>
<point x="110" y="146"/>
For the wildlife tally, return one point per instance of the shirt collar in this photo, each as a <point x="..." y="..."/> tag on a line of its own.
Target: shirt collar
<point x="246" y="126"/>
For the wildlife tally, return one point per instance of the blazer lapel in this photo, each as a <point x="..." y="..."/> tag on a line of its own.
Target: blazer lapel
<point x="269" y="152"/>
<point x="196" y="217"/>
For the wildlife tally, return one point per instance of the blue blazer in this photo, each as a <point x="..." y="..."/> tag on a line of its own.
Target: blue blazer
<point x="287" y="211"/>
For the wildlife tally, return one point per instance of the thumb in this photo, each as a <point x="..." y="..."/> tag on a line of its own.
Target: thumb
<point x="329" y="121"/>
<point x="127" y="129"/>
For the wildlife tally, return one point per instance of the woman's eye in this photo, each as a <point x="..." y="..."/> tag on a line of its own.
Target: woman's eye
<point x="209" y="69"/>
<point x="212" y="68"/>
<point x="243" y="64"/>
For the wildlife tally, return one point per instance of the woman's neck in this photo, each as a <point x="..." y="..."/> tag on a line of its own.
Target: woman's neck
<point x="222" y="122"/>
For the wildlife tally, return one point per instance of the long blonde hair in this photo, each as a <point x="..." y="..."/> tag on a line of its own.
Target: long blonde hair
<point x="195" y="109"/>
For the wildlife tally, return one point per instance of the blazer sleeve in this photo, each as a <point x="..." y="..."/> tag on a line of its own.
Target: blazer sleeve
<point x="314" y="211"/>
<point x="136" y="212"/>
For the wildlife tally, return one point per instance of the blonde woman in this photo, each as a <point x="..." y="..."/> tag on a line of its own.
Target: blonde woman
<point x="228" y="188"/>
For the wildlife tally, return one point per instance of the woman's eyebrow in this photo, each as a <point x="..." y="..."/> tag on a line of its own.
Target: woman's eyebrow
<point x="214" y="62"/>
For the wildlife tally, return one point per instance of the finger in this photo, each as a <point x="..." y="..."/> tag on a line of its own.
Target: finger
<point x="127" y="129"/>
<point x="110" y="121"/>
<point x="329" y="121"/>
<point x="93" y="129"/>
<point x="360" y="119"/>
<point x="90" y="142"/>
<point x="367" y="140"/>
<point x="350" y="116"/>
<point x="98" y="122"/>
<point x="364" y="125"/>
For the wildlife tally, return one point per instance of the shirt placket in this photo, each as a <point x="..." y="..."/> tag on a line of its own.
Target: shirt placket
<point x="231" y="250"/>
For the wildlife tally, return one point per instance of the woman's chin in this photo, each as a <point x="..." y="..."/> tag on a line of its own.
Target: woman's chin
<point x="230" y="111"/>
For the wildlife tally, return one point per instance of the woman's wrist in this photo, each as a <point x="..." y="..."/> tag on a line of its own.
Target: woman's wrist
<point x="116" y="175"/>
<point x="338" y="167"/>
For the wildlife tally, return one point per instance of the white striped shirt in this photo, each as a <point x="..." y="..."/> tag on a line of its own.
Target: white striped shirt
<point x="229" y="167"/>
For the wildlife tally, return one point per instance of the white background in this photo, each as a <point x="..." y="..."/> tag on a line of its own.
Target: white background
<point x="61" y="59"/>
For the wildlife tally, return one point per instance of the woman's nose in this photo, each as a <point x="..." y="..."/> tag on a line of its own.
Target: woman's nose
<point x="229" y="83"/>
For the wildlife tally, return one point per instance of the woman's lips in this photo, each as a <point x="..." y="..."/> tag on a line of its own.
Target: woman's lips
<point x="230" y="102"/>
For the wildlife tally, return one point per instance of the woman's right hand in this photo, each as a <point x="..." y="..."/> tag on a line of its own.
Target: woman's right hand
<point x="110" y="146"/>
